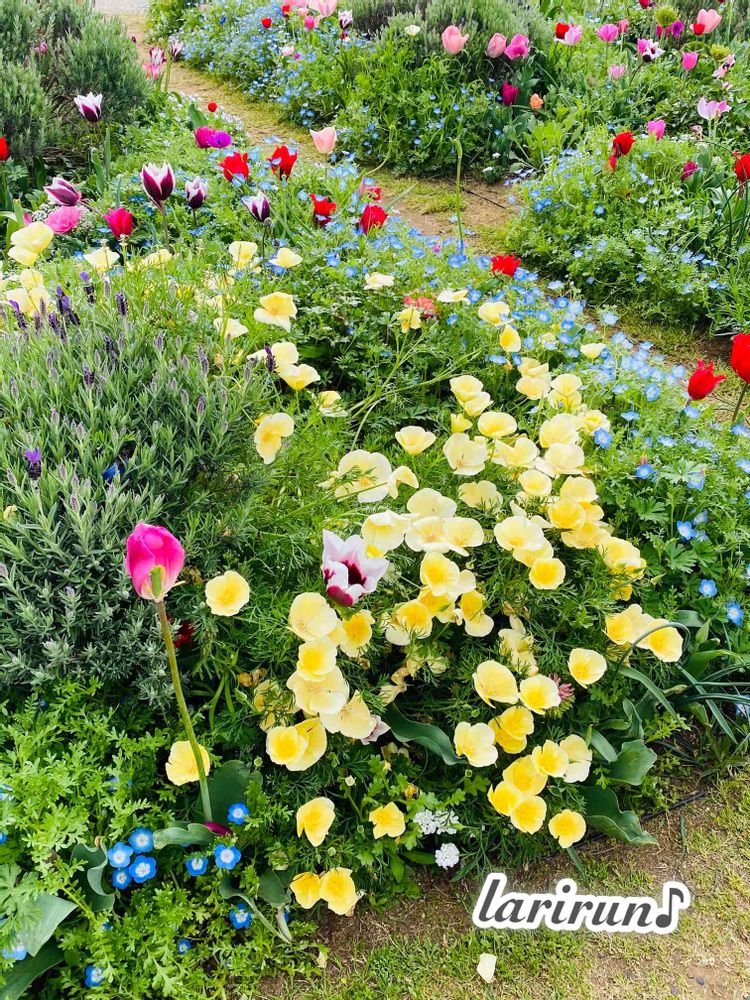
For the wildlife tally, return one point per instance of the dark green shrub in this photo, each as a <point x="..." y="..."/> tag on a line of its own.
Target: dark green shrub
<point x="61" y="18"/>
<point x="102" y="59"/>
<point x="24" y="110"/>
<point x="165" y="17"/>
<point x="19" y="24"/>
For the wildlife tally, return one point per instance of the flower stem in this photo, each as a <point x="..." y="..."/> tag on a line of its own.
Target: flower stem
<point x="163" y="211"/>
<point x="166" y="633"/>
<point x="739" y="402"/>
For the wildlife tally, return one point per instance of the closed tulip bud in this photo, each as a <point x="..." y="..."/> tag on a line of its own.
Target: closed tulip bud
<point x="158" y="182"/>
<point x="154" y="560"/>
<point x="196" y="192"/>
<point x="90" y="106"/>
<point x="258" y="206"/>
<point x="62" y="192"/>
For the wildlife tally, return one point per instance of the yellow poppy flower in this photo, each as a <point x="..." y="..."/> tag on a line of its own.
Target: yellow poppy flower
<point x="409" y="319"/>
<point x="311" y="617"/>
<point x="665" y="643"/>
<point x="276" y="309"/>
<point x="374" y="281"/>
<point x="586" y="666"/>
<point x="270" y="433"/>
<point x="411" y="620"/>
<point x="353" y="635"/>
<point x="182" y="766"/>
<point x="550" y="759"/>
<point x="387" y="821"/>
<point x="626" y="626"/>
<point x="243" y="252"/>
<point x="539" y="693"/>
<point x="338" y="890"/>
<point x="29" y="241"/>
<point x="547" y="573"/>
<point x="414" y="440"/>
<point x="476" y="743"/>
<point x="567" y="827"/>
<point x="228" y="327"/>
<point x="102" y="259"/>
<point x="354" y="720"/>
<point x="493" y="312"/>
<point x="528" y="816"/>
<point x="327" y="695"/>
<point x="227" y="594"/>
<point x="286" y="258"/>
<point x="496" y="424"/>
<point x="495" y="683"/>
<point x="306" y="889"/>
<point x="453" y="295"/>
<point x="314" y="819"/>
<point x="316" y="658"/>
<point x="466" y="456"/>
<point x="504" y="797"/>
<point x="579" y="758"/>
<point x="481" y="495"/>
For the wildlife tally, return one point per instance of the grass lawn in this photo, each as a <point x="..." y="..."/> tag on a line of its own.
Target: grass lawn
<point x="426" y="949"/>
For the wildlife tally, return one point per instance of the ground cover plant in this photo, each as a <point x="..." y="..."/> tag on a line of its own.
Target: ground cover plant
<point x="438" y="572"/>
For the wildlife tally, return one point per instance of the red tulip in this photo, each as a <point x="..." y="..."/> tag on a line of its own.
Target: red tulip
<point x="266" y="22"/>
<point x="742" y="167"/>
<point x="282" y="161"/>
<point x="235" y="166"/>
<point x="622" y="143"/>
<point x="509" y="94"/>
<point x="120" y="222"/>
<point x="286" y="9"/>
<point x="372" y="217"/>
<point x="212" y="106"/>
<point x="4" y="152"/>
<point x="740" y="359"/>
<point x="505" y="264"/>
<point x="561" y="29"/>
<point x="703" y="381"/>
<point x="323" y="209"/>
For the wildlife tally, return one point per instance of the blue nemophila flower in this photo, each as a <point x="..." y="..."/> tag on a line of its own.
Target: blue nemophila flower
<point x="735" y="614"/>
<point x="685" y="530"/>
<point x="119" y="856"/>
<point x="692" y="412"/>
<point x="602" y="438"/>
<point x="226" y="856"/>
<point x="630" y="415"/>
<point x="197" y="865"/>
<point x="141" y="840"/>
<point x="744" y="465"/>
<point x="240" y="916"/>
<point x="183" y="945"/>
<point x="645" y="471"/>
<point x="17" y="953"/>
<point x="238" y="813"/>
<point x="3" y="837"/>
<point x="696" y="480"/>
<point x="94" y="975"/>
<point x="142" y="869"/>
<point x="708" y="588"/>
<point x="121" y="878"/>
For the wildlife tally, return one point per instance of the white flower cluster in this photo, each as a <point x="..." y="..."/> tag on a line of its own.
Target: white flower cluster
<point x="443" y="821"/>
<point x="447" y="856"/>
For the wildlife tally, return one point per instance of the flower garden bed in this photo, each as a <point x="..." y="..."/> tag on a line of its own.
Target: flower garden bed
<point x="437" y="571"/>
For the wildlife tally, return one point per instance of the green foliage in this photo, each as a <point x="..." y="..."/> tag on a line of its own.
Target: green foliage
<point x="18" y="30"/>
<point x="24" y="110"/>
<point x="61" y="18"/>
<point x="102" y="59"/>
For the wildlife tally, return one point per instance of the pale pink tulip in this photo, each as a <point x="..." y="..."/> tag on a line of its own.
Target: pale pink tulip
<point x="453" y="40"/>
<point x="706" y="21"/>
<point x="617" y="71"/>
<point x="496" y="46"/>
<point x="324" y="140"/>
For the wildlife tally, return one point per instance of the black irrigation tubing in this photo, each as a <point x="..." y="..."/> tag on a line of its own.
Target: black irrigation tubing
<point x="483" y="197"/>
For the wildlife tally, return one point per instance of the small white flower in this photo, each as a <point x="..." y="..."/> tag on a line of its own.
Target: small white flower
<point x="412" y="30"/>
<point x="447" y="856"/>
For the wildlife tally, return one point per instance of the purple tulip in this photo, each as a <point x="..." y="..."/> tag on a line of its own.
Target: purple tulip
<point x="195" y="192"/>
<point x="90" y="106"/>
<point x="258" y="206"/>
<point x="158" y="182"/>
<point x="62" y="192"/>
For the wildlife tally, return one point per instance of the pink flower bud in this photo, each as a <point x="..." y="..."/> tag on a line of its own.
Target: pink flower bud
<point x="154" y="560"/>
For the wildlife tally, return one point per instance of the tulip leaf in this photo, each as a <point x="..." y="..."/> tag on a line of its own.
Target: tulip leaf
<point x="633" y="763"/>
<point x="89" y="877"/>
<point x="426" y="735"/>
<point x="49" y="911"/>
<point x="603" y="747"/>
<point x="272" y="889"/>
<point x="603" y="813"/>
<point x="21" y="975"/>
<point x="227" y="786"/>
<point x="183" y="834"/>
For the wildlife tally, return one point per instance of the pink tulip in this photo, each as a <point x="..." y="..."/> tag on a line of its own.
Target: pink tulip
<point x="706" y="21"/>
<point x="622" y="25"/>
<point x="324" y="140"/>
<point x="573" y="35"/>
<point x="153" y="70"/>
<point x="347" y="570"/>
<point x="310" y="22"/>
<point x="712" y="109"/>
<point x="324" y="7"/>
<point x="154" y="560"/>
<point x="617" y="71"/>
<point x="518" y="47"/>
<point x="64" y="219"/>
<point x="656" y="127"/>
<point x="608" y="32"/>
<point x="496" y="46"/>
<point x="689" y="60"/>
<point x="453" y="40"/>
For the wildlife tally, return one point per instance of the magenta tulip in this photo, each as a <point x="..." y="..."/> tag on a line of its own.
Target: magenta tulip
<point x="518" y="47"/>
<point x="689" y="60"/>
<point x="154" y="560"/>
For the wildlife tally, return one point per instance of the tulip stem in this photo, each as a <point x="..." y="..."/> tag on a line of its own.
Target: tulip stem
<point x="739" y="402"/>
<point x="166" y="633"/>
<point x="163" y="212"/>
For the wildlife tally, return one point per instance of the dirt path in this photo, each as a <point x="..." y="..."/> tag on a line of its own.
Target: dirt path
<point x="430" y="205"/>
